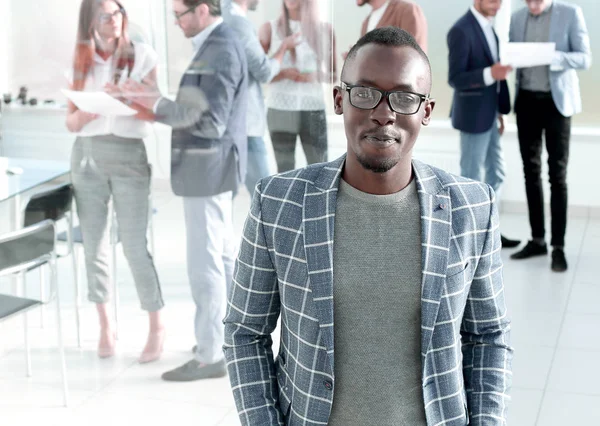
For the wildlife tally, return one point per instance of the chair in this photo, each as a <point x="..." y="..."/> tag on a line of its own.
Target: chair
<point x="77" y="240"/>
<point x="56" y="204"/>
<point x="22" y="251"/>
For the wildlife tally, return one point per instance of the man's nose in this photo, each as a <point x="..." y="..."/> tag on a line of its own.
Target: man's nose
<point x="383" y="114"/>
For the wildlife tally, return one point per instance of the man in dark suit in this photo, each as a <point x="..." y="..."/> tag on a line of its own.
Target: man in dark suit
<point x="208" y="162"/>
<point x="480" y="95"/>
<point x="547" y="97"/>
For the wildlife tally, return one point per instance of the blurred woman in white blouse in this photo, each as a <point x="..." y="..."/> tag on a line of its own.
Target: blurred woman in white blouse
<point x="109" y="162"/>
<point x="295" y="101"/>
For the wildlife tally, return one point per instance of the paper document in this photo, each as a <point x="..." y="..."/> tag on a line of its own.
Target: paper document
<point x="100" y="103"/>
<point x="524" y="55"/>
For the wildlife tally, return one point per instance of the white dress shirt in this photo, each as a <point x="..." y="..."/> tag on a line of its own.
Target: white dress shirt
<point x="488" y="30"/>
<point x="376" y="16"/>
<point x="101" y="73"/>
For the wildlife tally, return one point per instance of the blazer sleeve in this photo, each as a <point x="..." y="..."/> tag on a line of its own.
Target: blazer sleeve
<point x="485" y="331"/>
<point x="413" y="20"/>
<point x="205" y="110"/>
<point x="252" y="313"/>
<point x="260" y="66"/>
<point x="579" y="55"/>
<point x="459" y="76"/>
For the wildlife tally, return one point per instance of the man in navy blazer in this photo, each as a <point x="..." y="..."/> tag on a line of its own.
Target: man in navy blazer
<point x="480" y="95"/>
<point x="547" y="97"/>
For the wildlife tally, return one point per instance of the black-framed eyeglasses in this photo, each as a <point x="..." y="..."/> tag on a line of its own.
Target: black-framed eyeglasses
<point x="107" y="17"/>
<point x="401" y="102"/>
<point x="178" y="16"/>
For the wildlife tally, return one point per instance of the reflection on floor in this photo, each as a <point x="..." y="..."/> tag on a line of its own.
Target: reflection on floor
<point x="556" y="335"/>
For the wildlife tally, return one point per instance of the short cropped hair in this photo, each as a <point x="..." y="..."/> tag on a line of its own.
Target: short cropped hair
<point x="214" y="6"/>
<point x="387" y="36"/>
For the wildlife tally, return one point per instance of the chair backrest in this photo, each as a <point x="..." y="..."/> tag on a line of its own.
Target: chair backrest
<point x="27" y="248"/>
<point x="51" y="204"/>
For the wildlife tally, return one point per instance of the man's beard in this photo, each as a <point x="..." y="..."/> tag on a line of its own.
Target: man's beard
<point x="377" y="166"/>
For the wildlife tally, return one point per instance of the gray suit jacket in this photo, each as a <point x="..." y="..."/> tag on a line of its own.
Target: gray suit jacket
<point x="285" y="269"/>
<point x="209" y="144"/>
<point x="261" y="69"/>
<point x="569" y="32"/>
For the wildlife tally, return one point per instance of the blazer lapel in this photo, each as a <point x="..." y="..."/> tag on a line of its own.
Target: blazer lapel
<point x="318" y="222"/>
<point x="481" y="35"/>
<point x="436" y="215"/>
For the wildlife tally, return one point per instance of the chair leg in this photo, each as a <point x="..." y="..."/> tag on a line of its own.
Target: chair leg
<point x="23" y="283"/>
<point x="113" y="269"/>
<point x="115" y="288"/>
<point x="61" y="348"/>
<point x="75" y="263"/>
<point x="42" y="297"/>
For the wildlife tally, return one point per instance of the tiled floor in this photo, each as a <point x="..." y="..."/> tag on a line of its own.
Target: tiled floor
<point x="556" y="335"/>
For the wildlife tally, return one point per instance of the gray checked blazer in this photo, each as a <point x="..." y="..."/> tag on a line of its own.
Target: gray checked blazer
<point x="285" y="268"/>
<point x="208" y="144"/>
<point x="569" y="31"/>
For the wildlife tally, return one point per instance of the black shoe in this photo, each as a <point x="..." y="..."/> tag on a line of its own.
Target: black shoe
<point x="531" y="249"/>
<point x="559" y="262"/>
<point x="507" y="243"/>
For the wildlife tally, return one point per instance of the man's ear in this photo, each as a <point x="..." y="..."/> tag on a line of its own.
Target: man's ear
<point x="430" y="104"/>
<point x="338" y="100"/>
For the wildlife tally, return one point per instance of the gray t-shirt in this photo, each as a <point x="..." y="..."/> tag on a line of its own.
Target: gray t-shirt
<point x="537" y="79"/>
<point x="377" y="309"/>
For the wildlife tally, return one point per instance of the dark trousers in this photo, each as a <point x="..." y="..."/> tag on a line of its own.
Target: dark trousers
<point x="536" y="116"/>
<point x="284" y="129"/>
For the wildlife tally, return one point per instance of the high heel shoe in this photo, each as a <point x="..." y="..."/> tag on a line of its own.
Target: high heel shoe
<point x="154" y="347"/>
<point x="107" y="349"/>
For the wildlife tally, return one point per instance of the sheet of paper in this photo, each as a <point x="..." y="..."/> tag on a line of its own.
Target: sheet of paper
<point x="524" y="55"/>
<point x="100" y="103"/>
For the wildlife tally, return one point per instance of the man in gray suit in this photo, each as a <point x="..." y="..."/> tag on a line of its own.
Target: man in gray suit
<point x="208" y="162"/>
<point x="547" y="97"/>
<point x="261" y="69"/>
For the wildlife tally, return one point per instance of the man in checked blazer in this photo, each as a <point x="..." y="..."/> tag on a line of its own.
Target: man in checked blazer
<point x="386" y="273"/>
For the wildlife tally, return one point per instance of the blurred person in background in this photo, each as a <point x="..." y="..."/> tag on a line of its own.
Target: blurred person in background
<point x="481" y="96"/>
<point x="547" y="97"/>
<point x="295" y="101"/>
<point x="208" y="163"/>
<point x="109" y="162"/>
<point x="395" y="13"/>
<point x="261" y="69"/>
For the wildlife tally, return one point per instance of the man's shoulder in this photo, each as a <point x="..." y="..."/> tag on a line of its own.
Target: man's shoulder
<point x="462" y="23"/>
<point x="298" y="180"/>
<point x="459" y="188"/>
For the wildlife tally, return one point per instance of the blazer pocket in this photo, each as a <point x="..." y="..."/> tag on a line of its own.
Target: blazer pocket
<point x="470" y="93"/>
<point x="457" y="278"/>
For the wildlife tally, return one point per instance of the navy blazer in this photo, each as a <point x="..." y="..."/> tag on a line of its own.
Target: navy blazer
<point x="208" y="143"/>
<point x="475" y="106"/>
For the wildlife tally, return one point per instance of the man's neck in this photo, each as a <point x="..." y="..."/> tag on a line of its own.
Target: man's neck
<point x="390" y="182"/>
<point x="377" y="4"/>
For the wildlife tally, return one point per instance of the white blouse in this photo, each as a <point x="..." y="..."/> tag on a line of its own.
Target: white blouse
<point x="290" y="95"/>
<point x="102" y="73"/>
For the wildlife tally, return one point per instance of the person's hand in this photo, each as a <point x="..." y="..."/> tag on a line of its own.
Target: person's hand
<point x="291" y="41"/>
<point x="290" y="73"/>
<point x="500" y="72"/>
<point x="113" y="90"/>
<point x="501" y="127"/>
<point x="78" y="119"/>
<point x="306" y="77"/>
<point x="144" y="94"/>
